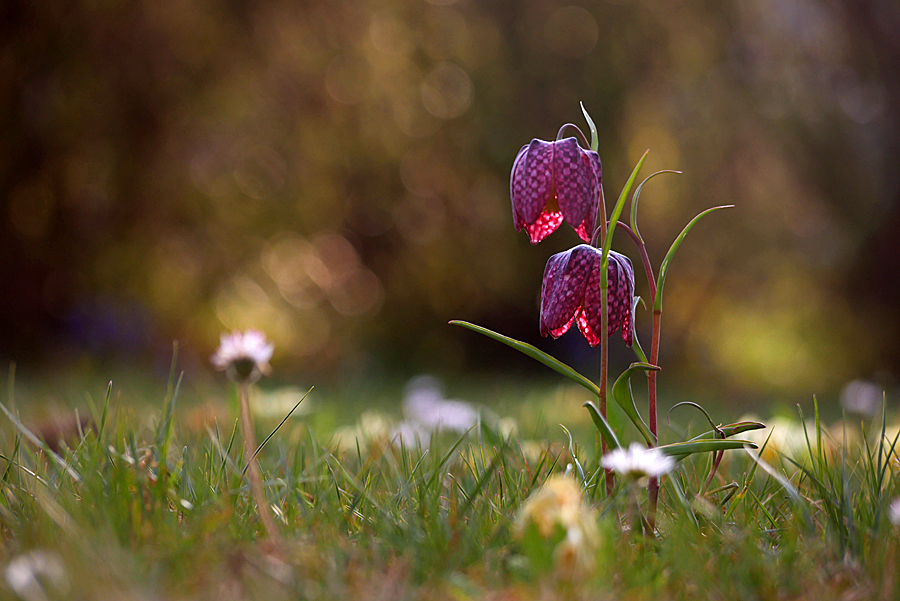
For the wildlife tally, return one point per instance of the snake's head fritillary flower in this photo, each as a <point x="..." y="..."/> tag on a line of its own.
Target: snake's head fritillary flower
<point x="637" y="462"/>
<point x="552" y="181"/>
<point x="571" y="293"/>
<point x="244" y="356"/>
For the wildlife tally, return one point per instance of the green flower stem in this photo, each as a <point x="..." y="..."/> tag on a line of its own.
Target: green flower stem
<point x="604" y="327"/>
<point x="653" y="484"/>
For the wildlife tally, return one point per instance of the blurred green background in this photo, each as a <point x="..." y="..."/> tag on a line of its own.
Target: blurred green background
<point x="335" y="173"/>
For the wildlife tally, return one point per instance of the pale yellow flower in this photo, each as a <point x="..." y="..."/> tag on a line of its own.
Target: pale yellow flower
<point x="559" y="504"/>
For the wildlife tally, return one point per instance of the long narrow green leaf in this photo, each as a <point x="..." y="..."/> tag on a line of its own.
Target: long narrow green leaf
<point x="681" y="450"/>
<point x="664" y="267"/>
<point x="623" y="395"/>
<point x="602" y="426"/>
<point x="534" y="353"/>
<point x="732" y="429"/>
<point x="620" y="204"/>
<point x="595" y="140"/>
<point x="637" y="196"/>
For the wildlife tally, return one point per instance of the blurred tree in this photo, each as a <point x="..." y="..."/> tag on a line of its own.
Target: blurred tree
<point x="336" y="175"/>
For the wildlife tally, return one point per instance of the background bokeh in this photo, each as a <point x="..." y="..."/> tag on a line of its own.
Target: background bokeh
<point x="336" y="175"/>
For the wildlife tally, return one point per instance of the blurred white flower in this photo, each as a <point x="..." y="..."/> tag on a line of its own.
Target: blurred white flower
<point x="410" y="434"/>
<point x="243" y="355"/>
<point x="894" y="512"/>
<point x="637" y="462"/>
<point x="28" y="573"/>
<point x="784" y="437"/>
<point x="425" y="406"/>
<point x="860" y="396"/>
<point x="371" y="430"/>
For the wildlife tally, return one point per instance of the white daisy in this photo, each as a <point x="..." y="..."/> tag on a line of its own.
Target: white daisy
<point x="636" y="462"/>
<point x="243" y="355"/>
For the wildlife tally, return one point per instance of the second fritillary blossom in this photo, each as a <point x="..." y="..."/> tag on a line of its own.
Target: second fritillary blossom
<point x="571" y="293"/>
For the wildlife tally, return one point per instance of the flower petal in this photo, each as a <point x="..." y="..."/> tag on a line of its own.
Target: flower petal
<point x="620" y="276"/>
<point x="516" y="176"/>
<point x="531" y="182"/>
<point x="621" y="296"/>
<point x="560" y="331"/>
<point x="585" y="328"/>
<point x="565" y="278"/>
<point x="545" y="225"/>
<point x="576" y="179"/>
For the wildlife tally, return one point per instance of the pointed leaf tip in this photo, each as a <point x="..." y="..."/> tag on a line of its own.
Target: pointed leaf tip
<point x="664" y="266"/>
<point x="595" y="142"/>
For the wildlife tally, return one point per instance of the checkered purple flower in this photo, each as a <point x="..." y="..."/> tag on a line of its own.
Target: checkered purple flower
<point x="552" y="181"/>
<point x="571" y="293"/>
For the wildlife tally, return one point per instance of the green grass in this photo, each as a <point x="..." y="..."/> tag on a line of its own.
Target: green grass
<point x="142" y="511"/>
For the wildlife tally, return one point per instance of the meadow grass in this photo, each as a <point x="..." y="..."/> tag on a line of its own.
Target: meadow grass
<point x="163" y="511"/>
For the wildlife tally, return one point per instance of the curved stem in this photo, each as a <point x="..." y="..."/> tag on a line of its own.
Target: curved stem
<point x="645" y="259"/>
<point x="559" y="135"/>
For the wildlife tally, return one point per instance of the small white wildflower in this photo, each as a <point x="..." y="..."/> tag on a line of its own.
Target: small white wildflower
<point x="894" y="512"/>
<point x="243" y="355"/>
<point x="636" y="462"/>
<point x="28" y="573"/>
<point x="425" y="406"/>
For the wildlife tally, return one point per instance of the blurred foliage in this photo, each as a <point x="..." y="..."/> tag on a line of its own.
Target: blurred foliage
<point x="335" y="174"/>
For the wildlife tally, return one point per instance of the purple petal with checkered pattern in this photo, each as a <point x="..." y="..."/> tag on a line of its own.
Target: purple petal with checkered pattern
<point x="562" y="292"/>
<point x="531" y="182"/>
<point x="552" y="181"/>
<point x="620" y="295"/>
<point x="576" y="178"/>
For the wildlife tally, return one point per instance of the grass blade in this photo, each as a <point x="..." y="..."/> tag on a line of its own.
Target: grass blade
<point x="272" y="433"/>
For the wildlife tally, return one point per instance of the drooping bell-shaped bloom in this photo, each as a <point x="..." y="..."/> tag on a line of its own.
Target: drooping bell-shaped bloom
<point x="552" y="181"/>
<point x="571" y="293"/>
